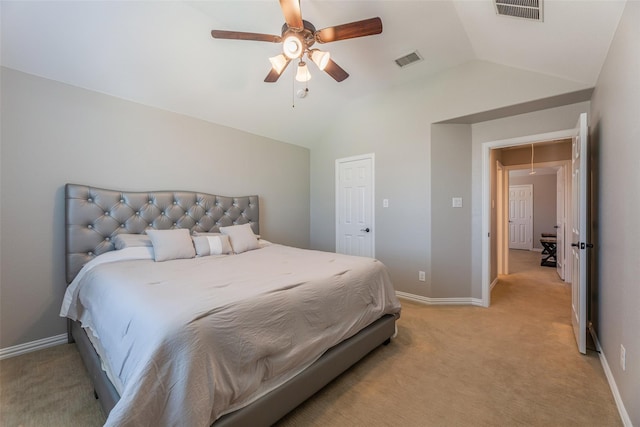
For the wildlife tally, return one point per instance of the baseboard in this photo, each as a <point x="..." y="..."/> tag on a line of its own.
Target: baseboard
<point x="440" y="301"/>
<point x="624" y="415"/>
<point x="493" y="284"/>
<point x="28" y="347"/>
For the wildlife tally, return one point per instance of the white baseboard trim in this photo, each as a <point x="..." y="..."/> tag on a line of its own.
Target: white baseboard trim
<point x="28" y="347"/>
<point x="440" y="301"/>
<point x="624" y="415"/>
<point x="494" y="283"/>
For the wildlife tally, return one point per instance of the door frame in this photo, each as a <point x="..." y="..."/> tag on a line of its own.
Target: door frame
<point x="486" y="195"/>
<point x="568" y="205"/>
<point x="368" y="156"/>
<point x="502" y="223"/>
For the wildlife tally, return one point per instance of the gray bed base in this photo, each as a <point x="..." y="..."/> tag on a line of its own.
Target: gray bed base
<point x="274" y="405"/>
<point x="94" y="216"/>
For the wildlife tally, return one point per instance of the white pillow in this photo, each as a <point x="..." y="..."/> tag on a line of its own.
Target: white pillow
<point x="242" y="237"/>
<point x="122" y="241"/>
<point x="212" y="245"/>
<point x="171" y="244"/>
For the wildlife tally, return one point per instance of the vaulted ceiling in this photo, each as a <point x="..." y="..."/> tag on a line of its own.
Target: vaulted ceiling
<point x="161" y="53"/>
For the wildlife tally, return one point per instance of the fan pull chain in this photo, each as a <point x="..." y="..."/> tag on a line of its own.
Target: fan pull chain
<point x="293" y="90"/>
<point x="301" y="93"/>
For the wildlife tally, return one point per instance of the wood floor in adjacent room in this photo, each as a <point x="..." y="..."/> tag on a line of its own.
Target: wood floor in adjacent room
<point x="514" y="364"/>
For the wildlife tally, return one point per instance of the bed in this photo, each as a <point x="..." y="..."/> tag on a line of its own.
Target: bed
<point x="188" y="344"/>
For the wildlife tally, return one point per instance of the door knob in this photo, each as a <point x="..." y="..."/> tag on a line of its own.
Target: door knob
<point x="366" y="230"/>
<point x="575" y="245"/>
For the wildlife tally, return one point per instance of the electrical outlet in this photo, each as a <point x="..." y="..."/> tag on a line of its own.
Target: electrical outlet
<point x="421" y="276"/>
<point x="623" y="357"/>
<point x="385" y="203"/>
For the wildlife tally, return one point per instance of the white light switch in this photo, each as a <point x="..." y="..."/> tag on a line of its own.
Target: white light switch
<point x="456" y="202"/>
<point x="385" y="203"/>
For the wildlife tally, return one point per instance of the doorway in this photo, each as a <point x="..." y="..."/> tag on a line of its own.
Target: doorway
<point x="488" y="217"/>
<point x="578" y="215"/>
<point x="550" y="200"/>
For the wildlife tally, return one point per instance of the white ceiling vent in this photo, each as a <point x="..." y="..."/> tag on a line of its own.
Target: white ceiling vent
<point x="408" y="59"/>
<point x="526" y="9"/>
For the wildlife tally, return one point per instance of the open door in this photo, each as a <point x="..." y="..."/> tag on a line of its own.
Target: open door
<point x="579" y="236"/>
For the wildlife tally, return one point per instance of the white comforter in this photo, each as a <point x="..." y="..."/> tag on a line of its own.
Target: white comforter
<point x="187" y="341"/>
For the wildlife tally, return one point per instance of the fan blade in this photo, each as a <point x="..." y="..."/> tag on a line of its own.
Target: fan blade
<point x="335" y="71"/>
<point x="367" y="27"/>
<point x="292" y="14"/>
<point x="238" y="35"/>
<point x="273" y="75"/>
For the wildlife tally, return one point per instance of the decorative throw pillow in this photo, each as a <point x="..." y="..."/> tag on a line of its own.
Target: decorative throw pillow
<point x="212" y="245"/>
<point x="171" y="244"/>
<point x="122" y="241"/>
<point x="242" y="237"/>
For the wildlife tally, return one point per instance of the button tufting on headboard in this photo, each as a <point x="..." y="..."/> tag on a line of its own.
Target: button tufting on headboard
<point x="94" y="216"/>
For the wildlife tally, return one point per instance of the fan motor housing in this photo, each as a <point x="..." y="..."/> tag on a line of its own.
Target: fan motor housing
<point x="307" y="33"/>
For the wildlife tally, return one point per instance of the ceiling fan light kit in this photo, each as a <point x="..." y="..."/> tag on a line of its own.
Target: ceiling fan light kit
<point x="293" y="46"/>
<point x="297" y="37"/>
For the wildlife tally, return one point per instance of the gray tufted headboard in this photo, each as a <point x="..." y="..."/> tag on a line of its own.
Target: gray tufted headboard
<point x="94" y="216"/>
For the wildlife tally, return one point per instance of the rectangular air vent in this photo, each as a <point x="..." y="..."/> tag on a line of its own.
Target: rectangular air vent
<point x="525" y="9"/>
<point x="408" y="59"/>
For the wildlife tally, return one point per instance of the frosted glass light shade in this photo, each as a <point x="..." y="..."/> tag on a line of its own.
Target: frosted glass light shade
<point x="320" y="58"/>
<point x="278" y="62"/>
<point x="303" y="72"/>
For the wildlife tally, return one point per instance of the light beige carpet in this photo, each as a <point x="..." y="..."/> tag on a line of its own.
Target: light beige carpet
<point x="514" y="364"/>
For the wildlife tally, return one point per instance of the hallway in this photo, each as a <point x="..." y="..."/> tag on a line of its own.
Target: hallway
<point x="532" y="287"/>
<point x="528" y="262"/>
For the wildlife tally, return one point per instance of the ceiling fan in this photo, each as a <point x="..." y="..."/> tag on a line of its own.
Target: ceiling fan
<point x="297" y="38"/>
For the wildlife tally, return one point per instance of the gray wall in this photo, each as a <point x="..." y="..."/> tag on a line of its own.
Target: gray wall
<point x="53" y="133"/>
<point x="451" y="227"/>
<point x="615" y="144"/>
<point x="544" y="203"/>
<point x="396" y="126"/>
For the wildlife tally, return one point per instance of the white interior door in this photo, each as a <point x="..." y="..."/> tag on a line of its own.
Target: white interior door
<point x="579" y="234"/>
<point x="520" y="216"/>
<point x="354" y="206"/>
<point x="560" y="221"/>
